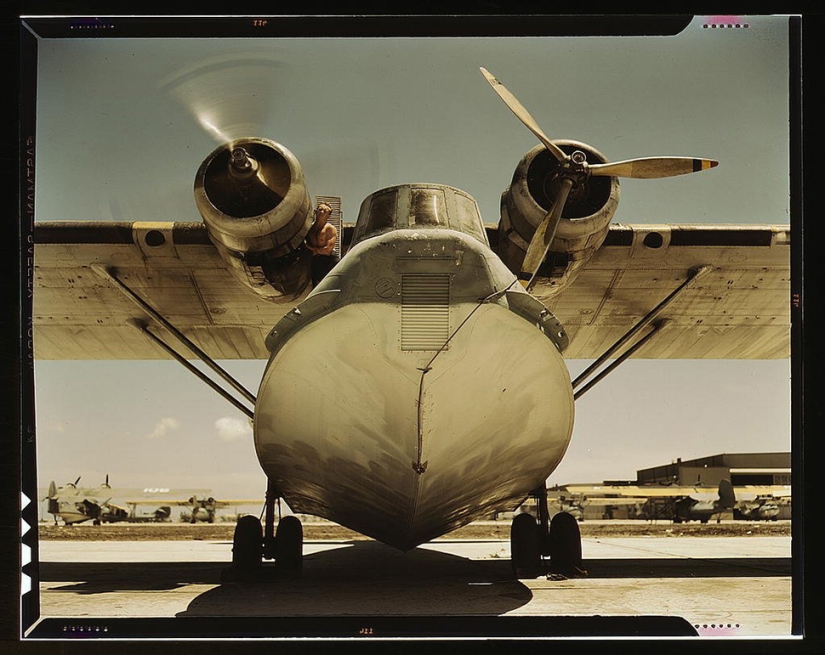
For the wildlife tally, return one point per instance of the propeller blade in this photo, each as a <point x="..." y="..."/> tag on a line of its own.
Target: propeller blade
<point x="543" y="237"/>
<point x="52" y="489"/>
<point x="522" y="114"/>
<point x="652" y="167"/>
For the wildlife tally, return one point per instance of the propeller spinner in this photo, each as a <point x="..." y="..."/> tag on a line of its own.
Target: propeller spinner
<point x="573" y="170"/>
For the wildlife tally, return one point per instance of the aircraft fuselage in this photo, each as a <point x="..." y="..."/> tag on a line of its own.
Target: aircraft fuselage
<point x="418" y="387"/>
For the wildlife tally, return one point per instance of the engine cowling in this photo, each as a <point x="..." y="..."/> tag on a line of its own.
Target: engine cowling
<point x="585" y="220"/>
<point x="253" y="199"/>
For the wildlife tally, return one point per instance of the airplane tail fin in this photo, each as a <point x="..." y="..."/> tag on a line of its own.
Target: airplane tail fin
<point x="727" y="499"/>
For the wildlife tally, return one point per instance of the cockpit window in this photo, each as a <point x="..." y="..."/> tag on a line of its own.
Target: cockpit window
<point x="427" y="207"/>
<point x="469" y="217"/>
<point x="382" y="211"/>
<point x="377" y="214"/>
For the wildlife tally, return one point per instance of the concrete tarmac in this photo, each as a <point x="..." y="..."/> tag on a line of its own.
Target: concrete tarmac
<point x="717" y="586"/>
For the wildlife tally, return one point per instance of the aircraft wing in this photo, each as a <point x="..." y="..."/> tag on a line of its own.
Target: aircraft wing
<point x="741" y="309"/>
<point x="750" y="492"/>
<point x="604" y="501"/>
<point x="77" y="314"/>
<point x="157" y="501"/>
<point x="591" y="492"/>
<point x="187" y="502"/>
<point x="235" y="503"/>
<point x="116" y="506"/>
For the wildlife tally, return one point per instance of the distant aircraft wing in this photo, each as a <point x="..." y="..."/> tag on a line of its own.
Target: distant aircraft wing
<point x="237" y="502"/>
<point x="616" y="492"/>
<point x="739" y="310"/>
<point x="604" y="502"/>
<point x="157" y="502"/>
<point x="750" y="492"/>
<point x="116" y="506"/>
<point x="218" y="503"/>
<point x="187" y="502"/>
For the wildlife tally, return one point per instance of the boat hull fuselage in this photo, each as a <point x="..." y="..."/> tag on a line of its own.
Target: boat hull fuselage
<point x="416" y="389"/>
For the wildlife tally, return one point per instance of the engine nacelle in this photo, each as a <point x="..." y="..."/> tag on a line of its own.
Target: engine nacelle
<point x="254" y="201"/>
<point x="585" y="220"/>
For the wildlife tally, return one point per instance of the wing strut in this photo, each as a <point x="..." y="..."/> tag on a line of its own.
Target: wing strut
<point x="658" y="325"/>
<point x="189" y="367"/>
<point x="108" y="274"/>
<point x="693" y="275"/>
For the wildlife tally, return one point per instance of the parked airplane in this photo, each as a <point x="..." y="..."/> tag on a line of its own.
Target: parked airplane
<point x="103" y="504"/>
<point x="421" y="384"/>
<point x="205" y="509"/>
<point x="762" y="508"/>
<point x="763" y="502"/>
<point x="678" y="503"/>
<point x="76" y="505"/>
<point x="691" y="508"/>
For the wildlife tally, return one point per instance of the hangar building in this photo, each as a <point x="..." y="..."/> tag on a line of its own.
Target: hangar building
<point x="742" y="469"/>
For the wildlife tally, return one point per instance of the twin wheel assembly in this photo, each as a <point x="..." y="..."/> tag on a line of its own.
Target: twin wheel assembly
<point x="530" y="542"/>
<point x="249" y="547"/>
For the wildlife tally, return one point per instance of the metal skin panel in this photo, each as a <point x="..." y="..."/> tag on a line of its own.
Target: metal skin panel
<point x="337" y="423"/>
<point x="79" y="315"/>
<point x="405" y="445"/>
<point x="740" y="310"/>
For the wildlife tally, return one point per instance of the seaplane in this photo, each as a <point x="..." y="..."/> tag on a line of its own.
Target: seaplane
<point x="422" y="384"/>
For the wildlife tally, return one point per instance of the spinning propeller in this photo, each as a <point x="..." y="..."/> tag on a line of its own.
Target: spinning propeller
<point x="573" y="170"/>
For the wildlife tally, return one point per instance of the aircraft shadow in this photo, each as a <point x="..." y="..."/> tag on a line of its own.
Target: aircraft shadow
<point x="365" y="585"/>
<point x="368" y="578"/>
<point x="425" y="579"/>
<point x="107" y="577"/>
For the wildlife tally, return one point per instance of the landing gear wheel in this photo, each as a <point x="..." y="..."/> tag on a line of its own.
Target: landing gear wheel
<point x="525" y="546"/>
<point x="565" y="545"/>
<point x="289" y="544"/>
<point x="247" y="546"/>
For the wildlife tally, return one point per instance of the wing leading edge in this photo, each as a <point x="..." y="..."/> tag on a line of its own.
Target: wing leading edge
<point x="740" y="310"/>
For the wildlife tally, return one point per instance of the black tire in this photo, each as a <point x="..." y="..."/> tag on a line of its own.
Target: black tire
<point x="565" y="545"/>
<point x="247" y="545"/>
<point x="289" y="545"/>
<point x="525" y="546"/>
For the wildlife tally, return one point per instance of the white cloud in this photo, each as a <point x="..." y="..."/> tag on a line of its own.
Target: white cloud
<point x="233" y="429"/>
<point x="163" y="427"/>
